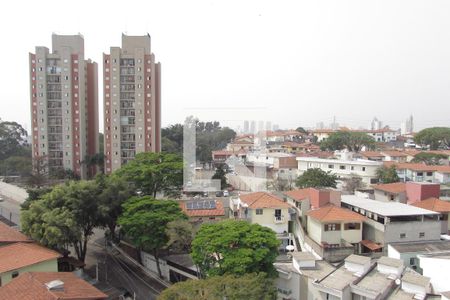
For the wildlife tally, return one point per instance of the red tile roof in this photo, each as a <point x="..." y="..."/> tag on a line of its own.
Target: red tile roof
<point x="300" y="194"/>
<point x="263" y="200"/>
<point x="218" y="211"/>
<point x="393" y="188"/>
<point x="394" y="153"/>
<point x="31" y="286"/>
<point x="434" y="204"/>
<point x="11" y="235"/>
<point x="333" y="213"/>
<point x="371" y="154"/>
<point x="418" y="167"/>
<point x="19" y="255"/>
<point x="411" y="166"/>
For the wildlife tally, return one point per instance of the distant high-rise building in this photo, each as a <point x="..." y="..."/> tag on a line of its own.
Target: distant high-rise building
<point x="320" y="125"/>
<point x="376" y="124"/>
<point x="407" y="126"/>
<point x="335" y="124"/>
<point x="268" y="125"/>
<point x="132" y="101"/>
<point x="253" y="127"/>
<point x="260" y="126"/>
<point x="275" y="127"/>
<point x="64" y="105"/>
<point x="246" y="126"/>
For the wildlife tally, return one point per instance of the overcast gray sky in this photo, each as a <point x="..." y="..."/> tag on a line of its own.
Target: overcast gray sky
<point x="294" y="63"/>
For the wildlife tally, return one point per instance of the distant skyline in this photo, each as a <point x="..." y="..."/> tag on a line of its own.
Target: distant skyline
<point x="293" y="63"/>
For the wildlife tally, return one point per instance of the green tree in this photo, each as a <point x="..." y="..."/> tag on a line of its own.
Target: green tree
<point x="144" y="220"/>
<point x="12" y="140"/>
<point x="101" y="143"/>
<point x="301" y="130"/>
<point x="152" y="173"/>
<point x="181" y="234"/>
<point x="249" y="286"/>
<point x="387" y="174"/>
<point x="95" y="160"/>
<point x="430" y="158"/>
<point x="172" y="139"/>
<point x="220" y="175"/>
<point x="65" y="216"/>
<point x="114" y="192"/>
<point x="235" y="247"/>
<point x="16" y="165"/>
<point x="33" y="195"/>
<point x="352" y="183"/>
<point x="434" y="137"/>
<point x="316" y="178"/>
<point x="352" y="141"/>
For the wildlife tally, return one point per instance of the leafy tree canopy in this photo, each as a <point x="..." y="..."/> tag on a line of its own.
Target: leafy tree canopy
<point x="153" y="173"/>
<point x="429" y="158"/>
<point x="435" y="137"/>
<point x="65" y="216"/>
<point x="387" y="174"/>
<point x="316" y="178"/>
<point x="249" y="286"/>
<point x="220" y="174"/>
<point x="352" y="141"/>
<point x="145" y="219"/>
<point x="114" y="192"/>
<point x="12" y="140"/>
<point x="301" y="130"/>
<point x="209" y="136"/>
<point x="181" y="234"/>
<point x="235" y="247"/>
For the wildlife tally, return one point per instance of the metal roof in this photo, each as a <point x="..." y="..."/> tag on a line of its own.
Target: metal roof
<point x="388" y="209"/>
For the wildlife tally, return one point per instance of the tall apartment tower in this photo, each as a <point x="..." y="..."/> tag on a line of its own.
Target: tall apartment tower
<point x="64" y="105"/>
<point x="132" y="101"/>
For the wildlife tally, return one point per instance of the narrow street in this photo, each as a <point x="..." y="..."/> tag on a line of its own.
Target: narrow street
<point x="116" y="273"/>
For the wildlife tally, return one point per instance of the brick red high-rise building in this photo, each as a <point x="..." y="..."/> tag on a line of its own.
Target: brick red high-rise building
<point x="64" y="105"/>
<point x="132" y="101"/>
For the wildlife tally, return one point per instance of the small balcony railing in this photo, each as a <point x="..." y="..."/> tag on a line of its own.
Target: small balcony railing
<point x="278" y="219"/>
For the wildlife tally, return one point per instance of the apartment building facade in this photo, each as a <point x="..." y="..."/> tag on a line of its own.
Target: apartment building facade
<point x="132" y="101"/>
<point x="64" y="105"/>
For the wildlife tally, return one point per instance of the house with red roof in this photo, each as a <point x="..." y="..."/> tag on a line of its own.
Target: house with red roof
<point x="9" y="235"/>
<point x="333" y="227"/>
<point x="390" y="192"/>
<point x="19" y="258"/>
<point x="262" y="208"/>
<point x="203" y="210"/>
<point x="311" y="198"/>
<point x="50" y="286"/>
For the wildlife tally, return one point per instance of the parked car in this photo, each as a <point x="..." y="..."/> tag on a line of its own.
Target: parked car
<point x="219" y="194"/>
<point x="226" y="193"/>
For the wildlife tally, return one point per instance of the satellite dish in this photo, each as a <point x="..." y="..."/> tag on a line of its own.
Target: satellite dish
<point x="290" y="248"/>
<point x="397" y="281"/>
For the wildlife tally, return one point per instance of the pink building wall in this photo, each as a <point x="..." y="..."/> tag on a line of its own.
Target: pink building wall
<point x="416" y="191"/>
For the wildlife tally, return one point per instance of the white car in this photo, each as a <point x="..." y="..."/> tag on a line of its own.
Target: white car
<point x="226" y="193"/>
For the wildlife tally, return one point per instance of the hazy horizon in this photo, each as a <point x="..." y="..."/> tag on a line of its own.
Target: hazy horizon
<point x="293" y="63"/>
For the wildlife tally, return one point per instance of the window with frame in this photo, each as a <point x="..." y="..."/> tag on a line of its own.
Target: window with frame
<point x="342" y="167"/>
<point x="402" y="235"/>
<point x="259" y="211"/>
<point x="330" y="166"/>
<point x="421" y="234"/>
<point x="332" y="227"/>
<point x="352" y="226"/>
